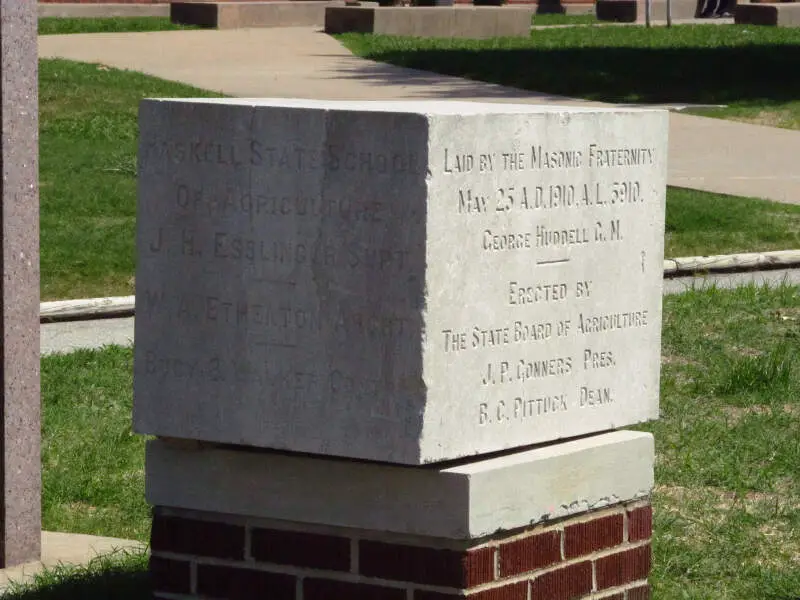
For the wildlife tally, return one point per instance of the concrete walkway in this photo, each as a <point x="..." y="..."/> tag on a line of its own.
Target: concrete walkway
<point x="706" y="154"/>
<point x="96" y="333"/>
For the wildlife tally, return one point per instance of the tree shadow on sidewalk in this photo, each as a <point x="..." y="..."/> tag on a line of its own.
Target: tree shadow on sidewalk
<point x="761" y="74"/>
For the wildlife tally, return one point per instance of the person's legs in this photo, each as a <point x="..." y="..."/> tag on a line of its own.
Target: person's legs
<point x="708" y="9"/>
<point x="725" y="8"/>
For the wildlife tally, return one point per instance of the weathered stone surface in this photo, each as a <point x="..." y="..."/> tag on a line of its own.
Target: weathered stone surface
<point x="633" y="11"/>
<point x="470" y="500"/>
<point x="475" y="22"/>
<point x="73" y="10"/>
<point x="777" y="15"/>
<point x="19" y="316"/>
<point x="400" y="281"/>
<point x="238" y="15"/>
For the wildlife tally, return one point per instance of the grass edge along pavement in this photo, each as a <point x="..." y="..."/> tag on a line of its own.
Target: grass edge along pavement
<point x="681" y="64"/>
<point x="727" y="503"/>
<point x="121" y="575"/>
<point x="78" y="25"/>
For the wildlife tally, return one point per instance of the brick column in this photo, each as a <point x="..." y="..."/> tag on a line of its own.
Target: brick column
<point x="602" y="554"/>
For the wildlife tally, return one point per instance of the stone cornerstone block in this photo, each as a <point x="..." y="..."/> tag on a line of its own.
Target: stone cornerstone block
<point x="398" y="281"/>
<point x="238" y="15"/>
<point x="464" y="501"/>
<point x="780" y="15"/>
<point x="634" y="11"/>
<point x="476" y="22"/>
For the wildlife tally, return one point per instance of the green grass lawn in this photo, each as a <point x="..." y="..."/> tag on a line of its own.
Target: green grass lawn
<point x="727" y="501"/>
<point x="88" y="144"/>
<point x="115" y="577"/>
<point x="55" y="26"/>
<point x="92" y="462"/>
<point x="701" y="224"/>
<point x="744" y="67"/>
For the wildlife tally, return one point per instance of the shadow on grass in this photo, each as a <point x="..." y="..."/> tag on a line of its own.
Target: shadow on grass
<point x="760" y="74"/>
<point x="121" y="577"/>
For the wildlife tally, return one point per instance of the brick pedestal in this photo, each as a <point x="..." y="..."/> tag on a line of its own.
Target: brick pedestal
<point x="602" y="554"/>
<point x="529" y="525"/>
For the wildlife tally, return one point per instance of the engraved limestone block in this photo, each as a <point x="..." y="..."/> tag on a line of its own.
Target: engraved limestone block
<point x="407" y="282"/>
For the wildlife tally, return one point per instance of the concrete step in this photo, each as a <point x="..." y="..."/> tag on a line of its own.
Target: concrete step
<point x="101" y="11"/>
<point x="784" y="14"/>
<point x="240" y="15"/>
<point x="633" y="11"/>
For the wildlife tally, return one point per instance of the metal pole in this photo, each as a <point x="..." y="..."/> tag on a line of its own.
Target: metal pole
<point x="648" y="8"/>
<point x="669" y="13"/>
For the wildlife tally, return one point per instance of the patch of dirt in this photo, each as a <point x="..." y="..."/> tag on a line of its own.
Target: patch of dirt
<point x="80" y="508"/>
<point x="720" y="500"/>
<point x="786" y="314"/>
<point x="680" y="361"/>
<point x="744" y="351"/>
<point x="735" y="414"/>
<point x="705" y="508"/>
<point x="768" y="118"/>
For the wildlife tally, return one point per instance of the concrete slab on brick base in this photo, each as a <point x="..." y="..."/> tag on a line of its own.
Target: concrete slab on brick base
<point x="777" y="15"/>
<point x="66" y="549"/>
<point x="474" y="22"/>
<point x="463" y="501"/>
<point x="239" y="15"/>
<point x="98" y="11"/>
<point x="633" y="11"/>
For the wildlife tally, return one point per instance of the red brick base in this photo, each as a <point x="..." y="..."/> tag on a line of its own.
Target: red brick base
<point x="604" y="555"/>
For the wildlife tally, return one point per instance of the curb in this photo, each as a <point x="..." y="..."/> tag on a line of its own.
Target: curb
<point x="125" y="306"/>
<point x="64" y="310"/>
<point x="726" y="263"/>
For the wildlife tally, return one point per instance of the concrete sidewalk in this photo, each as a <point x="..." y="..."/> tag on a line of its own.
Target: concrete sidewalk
<point x="706" y="154"/>
<point x="69" y="336"/>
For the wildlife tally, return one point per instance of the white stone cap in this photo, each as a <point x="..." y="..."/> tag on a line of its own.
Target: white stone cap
<point x="469" y="500"/>
<point x="431" y="107"/>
